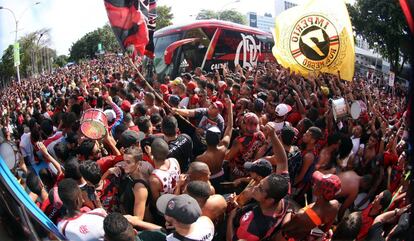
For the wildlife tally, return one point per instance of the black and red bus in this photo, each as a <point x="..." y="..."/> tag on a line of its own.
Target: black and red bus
<point x="209" y="44"/>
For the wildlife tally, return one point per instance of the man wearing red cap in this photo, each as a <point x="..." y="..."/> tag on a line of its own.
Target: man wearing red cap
<point x="126" y="106"/>
<point x="316" y="218"/>
<point x="194" y="99"/>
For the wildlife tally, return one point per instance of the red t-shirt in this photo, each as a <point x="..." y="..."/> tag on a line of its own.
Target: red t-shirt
<point x="109" y="161"/>
<point x="134" y="128"/>
<point x="294" y="118"/>
<point x="194" y="100"/>
<point x="366" y="223"/>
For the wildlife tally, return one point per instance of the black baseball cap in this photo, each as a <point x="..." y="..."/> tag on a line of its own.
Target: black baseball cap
<point x="262" y="167"/>
<point x="182" y="208"/>
<point x="129" y="138"/>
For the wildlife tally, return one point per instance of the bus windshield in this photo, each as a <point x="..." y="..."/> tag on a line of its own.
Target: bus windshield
<point x="161" y="44"/>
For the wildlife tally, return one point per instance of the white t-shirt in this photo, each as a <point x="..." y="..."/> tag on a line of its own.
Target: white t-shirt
<point x="26" y="147"/>
<point x="184" y="103"/>
<point x="84" y="227"/>
<point x="203" y="230"/>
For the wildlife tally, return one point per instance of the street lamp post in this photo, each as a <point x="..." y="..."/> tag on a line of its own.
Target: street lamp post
<point x="35" y="51"/>
<point x="16" y="21"/>
<point x="225" y="5"/>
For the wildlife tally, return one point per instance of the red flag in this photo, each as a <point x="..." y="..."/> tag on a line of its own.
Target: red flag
<point x="408" y="9"/>
<point x="149" y="9"/>
<point x="128" y="24"/>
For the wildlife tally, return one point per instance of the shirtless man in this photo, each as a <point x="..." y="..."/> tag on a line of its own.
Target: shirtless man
<point x="370" y="163"/>
<point x="327" y="156"/>
<point x="149" y="101"/>
<point x="216" y="149"/>
<point x="351" y="184"/>
<point x="321" y="214"/>
<point x="197" y="171"/>
<point x="212" y="206"/>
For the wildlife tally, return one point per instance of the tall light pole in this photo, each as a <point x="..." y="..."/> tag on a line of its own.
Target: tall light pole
<point x="225" y="5"/>
<point x="16" y="21"/>
<point x="35" y="52"/>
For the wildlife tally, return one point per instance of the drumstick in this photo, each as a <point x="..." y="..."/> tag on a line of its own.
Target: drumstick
<point x="155" y="93"/>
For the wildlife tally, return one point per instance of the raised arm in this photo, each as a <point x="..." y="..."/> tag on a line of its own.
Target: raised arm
<point x="49" y="158"/>
<point x="229" y="127"/>
<point x="278" y="151"/>
<point x="184" y="112"/>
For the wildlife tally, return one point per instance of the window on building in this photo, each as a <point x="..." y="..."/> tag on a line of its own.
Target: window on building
<point x="289" y="5"/>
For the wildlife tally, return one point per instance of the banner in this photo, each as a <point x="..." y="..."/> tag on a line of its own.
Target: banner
<point x="16" y="54"/>
<point x="316" y="36"/>
<point x="391" y="79"/>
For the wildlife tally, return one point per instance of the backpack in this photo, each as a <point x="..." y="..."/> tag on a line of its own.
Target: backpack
<point x="295" y="162"/>
<point x="109" y="194"/>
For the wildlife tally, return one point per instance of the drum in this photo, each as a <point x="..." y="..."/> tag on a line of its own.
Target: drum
<point x="339" y="108"/>
<point x="10" y="154"/>
<point x="94" y="124"/>
<point x="357" y="108"/>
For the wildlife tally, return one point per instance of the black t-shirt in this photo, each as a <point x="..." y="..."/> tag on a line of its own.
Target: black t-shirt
<point x="375" y="232"/>
<point x="182" y="149"/>
<point x="251" y="224"/>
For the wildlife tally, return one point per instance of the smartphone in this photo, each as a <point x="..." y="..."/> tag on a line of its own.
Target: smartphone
<point x="317" y="232"/>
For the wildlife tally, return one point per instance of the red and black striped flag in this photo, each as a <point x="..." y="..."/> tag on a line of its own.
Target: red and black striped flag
<point x="149" y="9"/>
<point x="408" y="9"/>
<point x="133" y="23"/>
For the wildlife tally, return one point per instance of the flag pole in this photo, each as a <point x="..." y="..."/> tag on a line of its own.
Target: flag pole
<point x="141" y="77"/>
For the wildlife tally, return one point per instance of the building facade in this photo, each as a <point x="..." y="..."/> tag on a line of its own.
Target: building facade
<point x="265" y="23"/>
<point x="282" y="5"/>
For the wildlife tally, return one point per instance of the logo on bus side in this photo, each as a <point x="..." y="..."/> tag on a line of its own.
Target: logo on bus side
<point x="314" y="42"/>
<point x="248" y="48"/>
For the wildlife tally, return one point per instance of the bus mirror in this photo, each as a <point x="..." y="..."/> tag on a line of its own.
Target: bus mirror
<point x="169" y="51"/>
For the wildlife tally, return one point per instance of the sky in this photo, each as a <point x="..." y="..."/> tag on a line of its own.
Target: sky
<point x="69" y="20"/>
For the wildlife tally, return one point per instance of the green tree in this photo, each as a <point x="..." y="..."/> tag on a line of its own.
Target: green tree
<point x="382" y="24"/>
<point x="87" y="46"/>
<point x="232" y="16"/>
<point x="35" y="55"/>
<point x="227" y="15"/>
<point x="6" y="65"/>
<point x="164" y="17"/>
<point x="207" y="14"/>
<point x="61" y="60"/>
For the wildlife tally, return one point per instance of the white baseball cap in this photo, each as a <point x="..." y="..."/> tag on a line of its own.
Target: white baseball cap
<point x="110" y="115"/>
<point x="282" y="109"/>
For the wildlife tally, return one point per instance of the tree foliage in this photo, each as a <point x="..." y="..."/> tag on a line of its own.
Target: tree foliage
<point x="227" y="15"/>
<point x="207" y="14"/>
<point x="6" y="65"/>
<point x="61" y="60"/>
<point x="87" y="46"/>
<point x="35" y="55"/>
<point x="382" y="24"/>
<point x="164" y="17"/>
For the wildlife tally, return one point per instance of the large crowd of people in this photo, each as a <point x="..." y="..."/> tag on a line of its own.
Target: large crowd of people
<point x="246" y="154"/>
